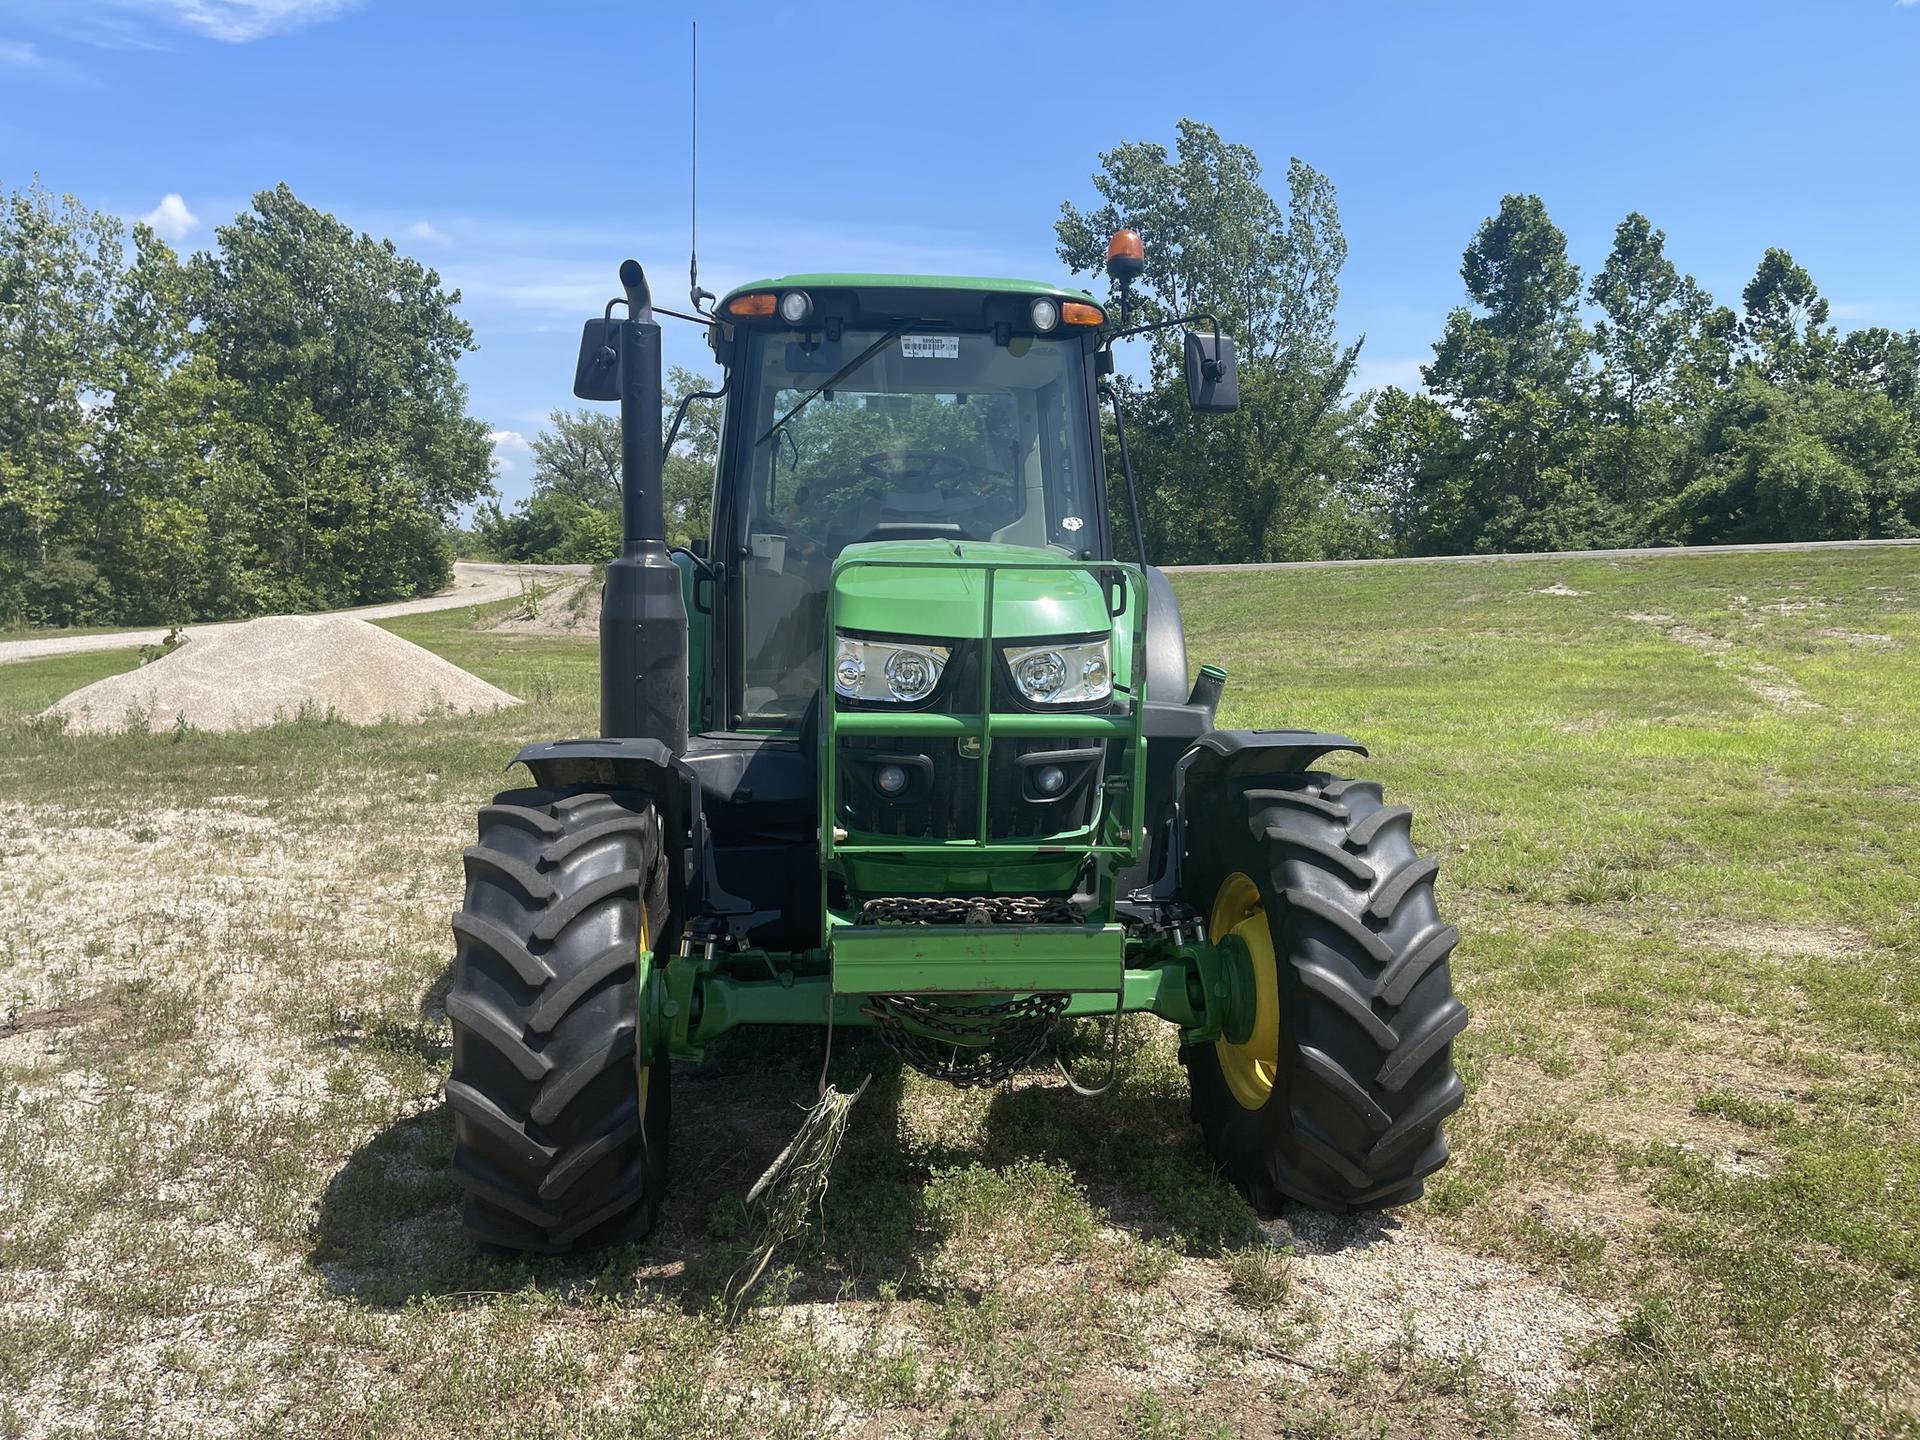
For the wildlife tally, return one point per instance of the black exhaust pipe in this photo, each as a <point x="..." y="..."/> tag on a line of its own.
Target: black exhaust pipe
<point x="643" y="617"/>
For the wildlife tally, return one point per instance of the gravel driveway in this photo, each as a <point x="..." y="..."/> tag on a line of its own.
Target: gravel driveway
<point x="473" y="584"/>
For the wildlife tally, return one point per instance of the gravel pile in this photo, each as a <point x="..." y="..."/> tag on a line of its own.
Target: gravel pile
<point x="249" y="675"/>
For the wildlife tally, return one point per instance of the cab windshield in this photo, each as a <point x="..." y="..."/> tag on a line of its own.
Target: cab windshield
<point x="933" y="436"/>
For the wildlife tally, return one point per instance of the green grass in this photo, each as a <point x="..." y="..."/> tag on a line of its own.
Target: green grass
<point x="1683" y="849"/>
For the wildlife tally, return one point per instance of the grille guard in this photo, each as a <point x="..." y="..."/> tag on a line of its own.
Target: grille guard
<point x="1087" y="956"/>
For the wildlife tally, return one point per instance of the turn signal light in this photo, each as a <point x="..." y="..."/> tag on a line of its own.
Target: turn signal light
<point x="760" y="303"/>
<point x="1078" y="312"/>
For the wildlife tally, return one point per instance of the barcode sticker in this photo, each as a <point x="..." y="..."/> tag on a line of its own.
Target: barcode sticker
<point x="930" y="347"/>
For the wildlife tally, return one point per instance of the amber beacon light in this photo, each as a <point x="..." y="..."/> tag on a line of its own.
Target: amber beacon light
<point x="1126" y="256"/>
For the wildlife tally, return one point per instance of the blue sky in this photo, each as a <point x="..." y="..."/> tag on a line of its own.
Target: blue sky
<point x="524" y="149"/>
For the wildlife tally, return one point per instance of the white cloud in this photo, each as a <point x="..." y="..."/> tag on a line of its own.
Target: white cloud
<point x="509" y="447"/>
<point x="20" y="52"/>
<point x="171" y="220"/>
<point x="238" y="21"/>
<point x="423" y="230"/>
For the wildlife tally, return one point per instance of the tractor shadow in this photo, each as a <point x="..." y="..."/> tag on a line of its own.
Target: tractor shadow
<point x="388" y="1228"/>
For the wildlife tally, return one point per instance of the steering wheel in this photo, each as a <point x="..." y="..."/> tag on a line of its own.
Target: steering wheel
<point x="915" y="469"/>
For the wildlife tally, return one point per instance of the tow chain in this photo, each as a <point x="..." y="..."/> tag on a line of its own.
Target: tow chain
<point x="970" y="910"/>
<point x="992" y="1042"/>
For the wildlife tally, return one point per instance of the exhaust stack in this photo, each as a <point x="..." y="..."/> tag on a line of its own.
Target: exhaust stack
<point x="643" y="616"/>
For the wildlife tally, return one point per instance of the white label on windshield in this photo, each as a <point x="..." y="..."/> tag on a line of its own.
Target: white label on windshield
<point x="930" y="347"/>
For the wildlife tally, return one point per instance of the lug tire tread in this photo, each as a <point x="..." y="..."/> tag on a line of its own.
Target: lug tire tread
<point x="1366" y="1077"/>
<point x="551" y="1146"/>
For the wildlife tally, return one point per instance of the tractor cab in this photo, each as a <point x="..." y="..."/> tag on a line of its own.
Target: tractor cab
<point x="871" y="410"/>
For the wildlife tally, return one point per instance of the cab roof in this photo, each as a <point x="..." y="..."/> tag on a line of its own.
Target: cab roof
<point x="984" y="284"/>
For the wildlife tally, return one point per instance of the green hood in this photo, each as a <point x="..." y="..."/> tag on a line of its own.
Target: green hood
<point x="932" y="590"/>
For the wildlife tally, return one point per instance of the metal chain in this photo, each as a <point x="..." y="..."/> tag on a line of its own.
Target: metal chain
<point x="993" y="1041"/>
<point x="970" y="910"/>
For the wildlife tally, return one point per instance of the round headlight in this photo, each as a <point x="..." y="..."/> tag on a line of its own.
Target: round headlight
<point x="891" y="779"/>
<point x="848" y="672"/>
<point x="1046" y="315"/>
<point x="909" y="675"/>
<point x="1051" y="780"/>
<point x="795" y="307"/>
<point x="1040" y="676"/>
<point x="1094" y="673"/>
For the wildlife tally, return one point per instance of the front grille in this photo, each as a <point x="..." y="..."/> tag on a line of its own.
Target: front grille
<point x="942" y="798"/>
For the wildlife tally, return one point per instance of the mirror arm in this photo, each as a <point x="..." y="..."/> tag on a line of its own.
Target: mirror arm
<point x="1186" y="320"/>
<point x="607" y="314"/>
<point x="1126" y="469"/>
<point x="673" y="431"/>
<point x="1212" y="367"/>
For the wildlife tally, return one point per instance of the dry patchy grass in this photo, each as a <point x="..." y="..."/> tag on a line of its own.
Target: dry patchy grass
<point x="1684" y="1200"/>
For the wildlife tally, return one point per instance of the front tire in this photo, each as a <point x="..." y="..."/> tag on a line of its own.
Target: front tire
<point x="1335" y="1096"/>
<point x="560" y="1125"/>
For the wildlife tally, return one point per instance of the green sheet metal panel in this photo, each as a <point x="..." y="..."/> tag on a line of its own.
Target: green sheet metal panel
<point x="976" y="959"/>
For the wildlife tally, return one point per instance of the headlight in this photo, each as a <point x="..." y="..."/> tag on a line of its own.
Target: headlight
<point x="886" y="669"/>
<point x="1074" y="673"/>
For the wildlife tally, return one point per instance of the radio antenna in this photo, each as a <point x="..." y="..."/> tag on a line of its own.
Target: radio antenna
<point x="694" y="293"/>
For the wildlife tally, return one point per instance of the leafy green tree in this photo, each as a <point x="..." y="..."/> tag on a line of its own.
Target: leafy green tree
<point x="1513" y="370"/>
<point x="1378" y="511"/>
<point x="1883" y="360"/>
<point x="696" y="450"/>
<point x="57" y="264"/>
<point x="1240" y="487"/>
<point x="572" y="515"/>
<point x="1785" y="330"/>
<point x="155" y="438"/>
<point x="1654" y="319"/>
<point x="342" y="356"/>
<point x="1816" y="461"/>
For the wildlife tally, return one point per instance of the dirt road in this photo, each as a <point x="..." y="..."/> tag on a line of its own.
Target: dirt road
<point x="473" y="584"/>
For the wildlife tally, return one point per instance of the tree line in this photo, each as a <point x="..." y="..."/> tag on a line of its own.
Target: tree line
<point x="572" y="515"/>
<point x="275" y="424"/>
<point x="278" y="423"/>
<point x="1558" y="412"/>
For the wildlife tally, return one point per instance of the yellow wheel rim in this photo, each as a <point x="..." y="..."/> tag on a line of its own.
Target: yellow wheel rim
<point x="640" y="1056"/>
<point x="1250" y="1066"/>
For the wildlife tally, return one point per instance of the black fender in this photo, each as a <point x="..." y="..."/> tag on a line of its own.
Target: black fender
<point x="1221" y="754"/>
<point x="650" y="766"/>
<point x="1226" y="754"/>
<point x="624" y="764"/>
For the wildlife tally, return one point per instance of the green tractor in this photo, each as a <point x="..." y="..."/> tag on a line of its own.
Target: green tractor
<point x="906" y="747"/>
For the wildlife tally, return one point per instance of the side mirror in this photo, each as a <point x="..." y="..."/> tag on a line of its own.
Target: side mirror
<point x="597" y="374"/>
<point x="697" y="546"/>
<point x="1213" y="376"/>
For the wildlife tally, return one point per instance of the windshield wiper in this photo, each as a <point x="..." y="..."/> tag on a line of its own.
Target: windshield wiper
<point x="834" y="379"/>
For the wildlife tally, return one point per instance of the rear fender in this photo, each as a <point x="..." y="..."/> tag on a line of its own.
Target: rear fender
<point x="1228" y="754"/>
<point x="1223" y="754"/>
<point x="706" y="909"/>
<point x="618" y="764"/>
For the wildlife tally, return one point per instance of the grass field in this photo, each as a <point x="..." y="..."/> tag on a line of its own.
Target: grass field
<point x="1678" y="811"/>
